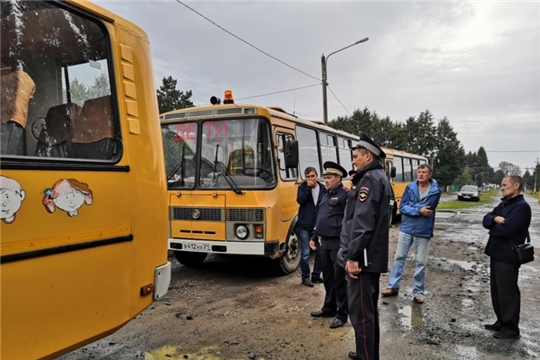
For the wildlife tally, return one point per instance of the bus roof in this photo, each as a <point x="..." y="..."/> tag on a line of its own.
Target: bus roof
<point x="226" y="110"/>
<point x="395" y="152"/>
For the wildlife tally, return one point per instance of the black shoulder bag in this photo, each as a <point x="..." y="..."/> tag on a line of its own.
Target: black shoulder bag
<point x="525" y="252"/>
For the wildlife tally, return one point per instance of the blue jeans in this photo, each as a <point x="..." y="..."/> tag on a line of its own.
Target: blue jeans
<point x="421" y="247"/>
<point x="303" y="237"/>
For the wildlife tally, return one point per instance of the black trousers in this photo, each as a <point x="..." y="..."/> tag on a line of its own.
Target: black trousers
<point x="335" y="284"/>
<point x="505" y="295"/>
<point x="364" y="314"/>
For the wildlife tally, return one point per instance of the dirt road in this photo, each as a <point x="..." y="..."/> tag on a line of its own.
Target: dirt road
<point x="234" y="308"/>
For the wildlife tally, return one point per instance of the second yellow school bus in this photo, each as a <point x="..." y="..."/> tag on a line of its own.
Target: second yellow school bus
<point x="401" y="169"/>
<point x="233" y="171"/>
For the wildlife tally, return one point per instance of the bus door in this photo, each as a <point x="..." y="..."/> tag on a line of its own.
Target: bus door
<point x="288" y="177"/>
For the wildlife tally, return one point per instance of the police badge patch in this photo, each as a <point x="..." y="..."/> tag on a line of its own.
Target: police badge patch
<point x="363" y="193"/>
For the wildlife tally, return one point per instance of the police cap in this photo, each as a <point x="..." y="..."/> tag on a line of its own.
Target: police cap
<point x="332" y="168"/>
<point x="369" y="144"/>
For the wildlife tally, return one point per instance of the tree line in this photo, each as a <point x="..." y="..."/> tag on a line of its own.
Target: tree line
<point x="423" y="135"/>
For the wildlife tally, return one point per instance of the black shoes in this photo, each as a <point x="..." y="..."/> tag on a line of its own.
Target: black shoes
<point x="493" y="327"/>
<point x="336" y="323"/>
<point x="505" y="335"/>
<point x="321" y="313"/>
<point x="317" y="280"/>
<point x="307" y="283"/>
<point x="352" y="355"/>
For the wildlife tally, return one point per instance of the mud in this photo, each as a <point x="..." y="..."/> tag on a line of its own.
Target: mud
<point x="236" y="308"/>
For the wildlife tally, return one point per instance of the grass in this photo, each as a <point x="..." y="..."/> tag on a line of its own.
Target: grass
<point x="485" y="198"/>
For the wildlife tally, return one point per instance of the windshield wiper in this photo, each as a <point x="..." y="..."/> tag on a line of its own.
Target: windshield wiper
<point x="223" y="170"/>
<point x="178" y="165"/>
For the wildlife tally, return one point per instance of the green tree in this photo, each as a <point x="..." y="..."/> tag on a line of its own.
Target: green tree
<point x="464" y="179"/>
<point x="449" y="154"/>
<point x="169" y="98"/>
<point x="509" y="168"/>
<point x="498" y="176"/>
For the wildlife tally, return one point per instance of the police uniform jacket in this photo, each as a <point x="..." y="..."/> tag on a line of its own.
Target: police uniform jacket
<point x="503" y="237"/>
<point x="367" y="219"/>
<point x="330" y="213"/>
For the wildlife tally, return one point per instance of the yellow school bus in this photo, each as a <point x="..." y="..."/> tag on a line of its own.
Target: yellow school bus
<point x="83" y="194"/>
<point x="401" y="169"/>
<point x="233" y="171"/>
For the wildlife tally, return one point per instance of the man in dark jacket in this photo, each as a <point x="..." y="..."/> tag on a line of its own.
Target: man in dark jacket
<point x="508" y="226"/>
<point x="308" y="197"/>
<point x="364" y="244"/>
<point x="327" y="231"/>
<point x="417" y="207"/>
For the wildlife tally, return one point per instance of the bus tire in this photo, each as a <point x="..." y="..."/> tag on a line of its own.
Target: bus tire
<point x="290" y="259"/>
<point x="188" y="258"/>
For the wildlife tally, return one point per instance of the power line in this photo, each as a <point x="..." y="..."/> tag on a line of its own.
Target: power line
<point x="278" y="92"/>
<point x="514" y="151"/>
<point x="339" y="101"/>
<point x="244" y="41"/>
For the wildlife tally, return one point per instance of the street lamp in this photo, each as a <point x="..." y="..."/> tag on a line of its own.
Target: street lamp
<point x="324" y="83"/>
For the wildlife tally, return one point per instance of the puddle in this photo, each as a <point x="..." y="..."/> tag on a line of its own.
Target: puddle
<point x="466" y="353"/>
<point x="411" y="316"/>
<point x="466" y="265"/>
<point x="172" y="353"/>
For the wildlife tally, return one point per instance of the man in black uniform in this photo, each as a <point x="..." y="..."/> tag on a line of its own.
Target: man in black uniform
<point x="364" y="244"/>
<point x="327" y="230"/>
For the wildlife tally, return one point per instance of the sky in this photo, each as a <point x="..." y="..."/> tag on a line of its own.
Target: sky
<point x="475" y="63"/>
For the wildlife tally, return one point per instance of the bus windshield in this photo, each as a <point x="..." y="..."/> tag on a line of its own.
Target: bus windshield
<point x="232" y="154"/>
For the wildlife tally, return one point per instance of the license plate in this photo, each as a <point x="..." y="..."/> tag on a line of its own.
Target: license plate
<point x="195" y="246"/>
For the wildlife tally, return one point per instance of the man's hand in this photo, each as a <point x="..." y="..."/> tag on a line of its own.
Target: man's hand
<point x="312" y="245"/>
<point x="499" y="219"/>
<point x="425" y="211"/>
<point x="311" y="182"/>
<point x="351" y="267"/>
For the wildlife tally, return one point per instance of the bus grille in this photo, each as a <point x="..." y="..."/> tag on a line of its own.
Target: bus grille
<point x="253" y="215"/>
<point x="199" y="214"/>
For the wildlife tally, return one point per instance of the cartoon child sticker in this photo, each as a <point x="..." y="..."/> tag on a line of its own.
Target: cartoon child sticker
<point x="11" y="197"/>
<point x="68" y="195"/>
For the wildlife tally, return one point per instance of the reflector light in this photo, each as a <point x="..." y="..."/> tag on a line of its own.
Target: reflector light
<point x="147" y="289"/>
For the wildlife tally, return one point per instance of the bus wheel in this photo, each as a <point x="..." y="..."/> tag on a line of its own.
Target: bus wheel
<point x="291" y="258"/>
<point x="190" y="258"/>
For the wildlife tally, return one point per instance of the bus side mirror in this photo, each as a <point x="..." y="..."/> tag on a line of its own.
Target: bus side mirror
<point x="291" y="154"/>
<point x="393" y="172"/>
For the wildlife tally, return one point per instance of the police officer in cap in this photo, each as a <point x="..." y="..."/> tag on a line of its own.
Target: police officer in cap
<point x="364" y="244"/>
<point x="327" y="231"/>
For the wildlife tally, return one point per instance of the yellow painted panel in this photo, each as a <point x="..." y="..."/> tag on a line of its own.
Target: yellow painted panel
<point x="129" y="72"/>
<point x="132" y="108"/>
<point x="183" y="229"/>
<point x="199" y="199"/>
<point x="130" y="90"/>
<point x="126" y="53"/>
<point x="134" y="126"/>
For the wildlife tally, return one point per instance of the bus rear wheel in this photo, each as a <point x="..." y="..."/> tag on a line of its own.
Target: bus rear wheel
<point x="290" y="260"/>
<point x="190" y="258"/>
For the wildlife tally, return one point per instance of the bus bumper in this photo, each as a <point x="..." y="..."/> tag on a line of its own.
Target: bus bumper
<point x="162" y="280"/>
<point x="226" y="247"/>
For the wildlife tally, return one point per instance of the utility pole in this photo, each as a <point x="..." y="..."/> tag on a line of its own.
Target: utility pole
<point x="324" y="60"/>
<point x="535" y="176"/>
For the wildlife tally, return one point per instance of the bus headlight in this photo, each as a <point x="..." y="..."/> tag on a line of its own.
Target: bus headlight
<point x="241" y="232"/>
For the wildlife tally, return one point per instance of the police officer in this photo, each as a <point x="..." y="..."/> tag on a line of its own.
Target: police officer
<point x="327" y="231"/>
<point x="364" y="244"/>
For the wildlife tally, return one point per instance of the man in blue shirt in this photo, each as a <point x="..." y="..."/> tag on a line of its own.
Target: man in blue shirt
<point x="417" y="207"/>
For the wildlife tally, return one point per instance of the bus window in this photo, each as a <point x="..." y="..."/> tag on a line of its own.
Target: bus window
<point x="307" y="143"/>
<point x="414" y="168"/>
<point x="179" y="146"/>
<point x="59" y="99"/>
<point x="328" y="147"/>
<point x="398" y="163"/>
<point x="407" y="170"/>
<point x="345" y="153"/>
<point x="287" y="174"/>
